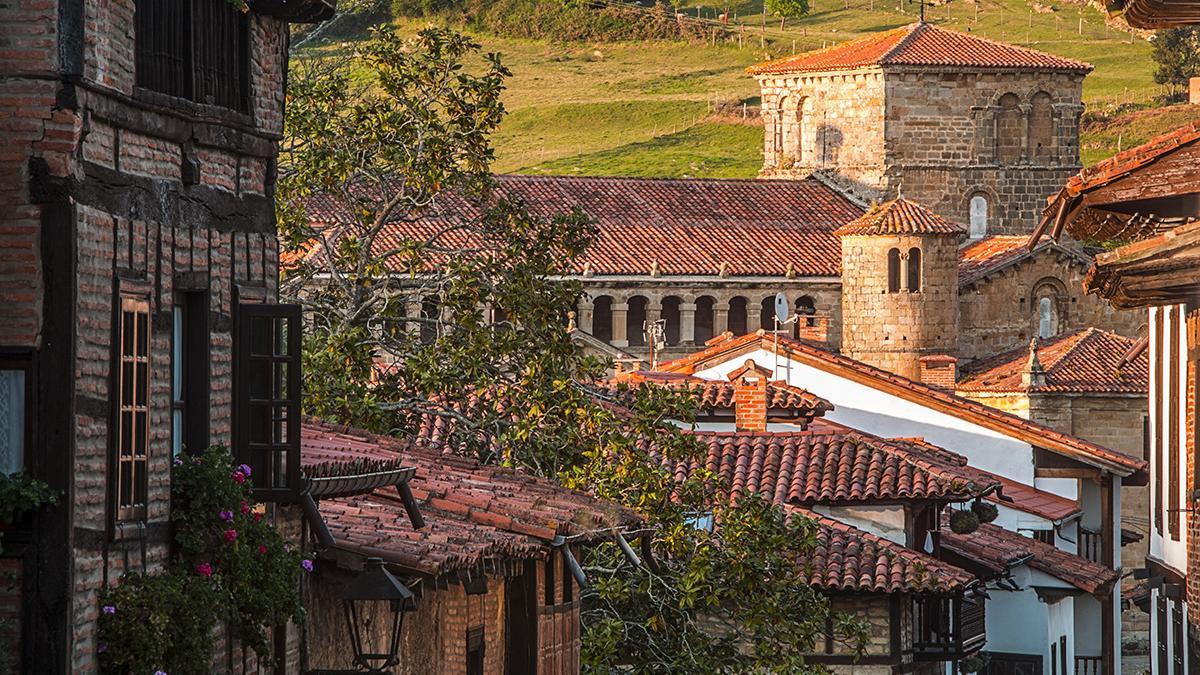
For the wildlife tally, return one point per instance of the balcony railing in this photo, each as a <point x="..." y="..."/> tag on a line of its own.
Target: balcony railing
<point x="947" y="628"/>
<point x="1089" y="665"/>
<point x="1091" y="545"/>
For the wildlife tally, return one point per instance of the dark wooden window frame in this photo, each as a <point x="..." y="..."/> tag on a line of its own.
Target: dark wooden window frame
<point x="475" y="650"/>
<point x="196" y="350"/>
<point x="1173" y="401"/>
<point x="1157" y="414"/>
<point x="132" y="338"/>
<point x="183" y="51"/>
<point x="22" y="359"/>
<point x="274" y="412"/>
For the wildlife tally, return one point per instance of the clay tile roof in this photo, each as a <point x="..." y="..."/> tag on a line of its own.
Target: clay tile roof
<point x="848" y="559"/>
<point x="473" y="513"/>
<point x="1029" y="499"/>
<point x="1086" y="361"/>
<point x="979" y="258"/>
<point x="920" y="45"/>
<point x="995" y="546"/>
<point x="899" y="216"/>
<point x="832" y="464"/>
<point x="731" y="227"/>
<point x="818" y="356"/>
<point x="720" y="393"/>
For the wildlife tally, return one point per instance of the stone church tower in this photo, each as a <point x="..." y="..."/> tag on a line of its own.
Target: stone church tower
<point x="979" y="131"/>
<point x="900" y="287"/>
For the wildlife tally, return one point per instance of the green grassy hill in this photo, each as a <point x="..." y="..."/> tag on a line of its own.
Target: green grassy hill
<point x="644" y="108"/>
<point x="1104" y="136"/>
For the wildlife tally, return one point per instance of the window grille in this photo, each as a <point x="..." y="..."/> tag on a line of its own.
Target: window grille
<point x="194" y="49"/>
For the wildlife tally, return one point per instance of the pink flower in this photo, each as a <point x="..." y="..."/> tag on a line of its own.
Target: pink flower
<point x="204" y="569"/>
<point x="231" y="535"/>
<point x="261" y="549"/>
<point x="257" y="516"/>
<point x="245" y="508"/>
<point x="239" y="477"/>
<point x="307" y="565"/>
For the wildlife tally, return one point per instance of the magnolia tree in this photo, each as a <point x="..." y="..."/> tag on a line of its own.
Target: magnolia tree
<point x="417" y="312"/>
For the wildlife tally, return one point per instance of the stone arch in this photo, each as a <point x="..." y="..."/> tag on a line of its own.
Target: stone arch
<point x="766" y="313"/>
<point x="979" y="210"/>
<point x="602" y="318"/>
<point x="1049" y="303"/>
<point x="912" y="269"/>
<point x="737" y="315"/>
<point x="1008" y="132"/>
<point x="635" y="320"/>
<point x="702" y="326"/>
<point x="670" y="315"/>
<point x="805" y="309"/>
<point x="1041" y="127"/>
<point x="790" y="133"/>
<point x="893" y="270"/>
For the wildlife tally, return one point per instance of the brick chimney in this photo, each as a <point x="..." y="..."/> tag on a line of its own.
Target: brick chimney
<point x="750" y="396"/>
<point x="939" y="371"/>
<point x="813" y="327"/>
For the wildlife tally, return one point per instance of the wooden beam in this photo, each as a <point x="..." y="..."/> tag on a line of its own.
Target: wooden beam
<point x="1045" y="472"/>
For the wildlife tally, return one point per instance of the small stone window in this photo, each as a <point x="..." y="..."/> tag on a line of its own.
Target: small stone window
<point x="1041" y="127"/>
<point x="893" y="270"/>
<point x="914" y="270"/>
<point x="979" y="216"/>
<point x="1008" y="130"/>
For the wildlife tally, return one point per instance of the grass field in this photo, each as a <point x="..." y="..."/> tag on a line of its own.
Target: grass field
<point x="643" y="108"/>
<point x="1104" y="137"/>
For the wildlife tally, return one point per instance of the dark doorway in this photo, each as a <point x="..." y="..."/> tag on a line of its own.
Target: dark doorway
<point x="520" y="623"/>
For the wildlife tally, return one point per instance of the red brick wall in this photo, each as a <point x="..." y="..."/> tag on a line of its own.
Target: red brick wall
<point x="750" y="399"/>
<point x="1193" y="521"/>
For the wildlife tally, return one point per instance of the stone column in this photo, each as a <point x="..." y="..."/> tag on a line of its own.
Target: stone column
<point x="687" y="323"/>
<point x="754" y="316"/>
<point x="720" y="317"/>
<point x="583" y="315"/>
<point x="619" y="336"/>
<point x="1026" y="112"/>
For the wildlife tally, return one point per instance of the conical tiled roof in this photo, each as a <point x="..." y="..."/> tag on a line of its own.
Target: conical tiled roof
<point x="899" y="216"/>
<point x="919" y="44"/>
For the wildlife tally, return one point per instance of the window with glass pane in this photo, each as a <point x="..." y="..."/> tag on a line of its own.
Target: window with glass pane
<point x="14" y="413"/>
<point x="133" y="415"/>
<point x="268" y="406"/>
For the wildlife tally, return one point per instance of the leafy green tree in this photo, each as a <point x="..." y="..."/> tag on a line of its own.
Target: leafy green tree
<point x="786" y="9"/>
<point x="413" y="315"/>
<point x="1177" y="53"/>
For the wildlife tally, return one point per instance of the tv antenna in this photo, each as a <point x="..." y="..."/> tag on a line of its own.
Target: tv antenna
<point x="783" y="317"/>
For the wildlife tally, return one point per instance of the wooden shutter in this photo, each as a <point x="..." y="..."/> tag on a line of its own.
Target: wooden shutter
<point x="1173" y="449"/>
<point x="1156" y="398"/>
<point x="132" y="421"/>
<point x="267" y="398"/>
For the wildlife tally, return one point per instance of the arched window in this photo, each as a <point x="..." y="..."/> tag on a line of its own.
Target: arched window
<point x="1047" y="318"/>
<point x="893" y="271"/>
<point x="704" y="319"/>
<point x="914" y="270"/>
<point x="1041" y="127"/>
<point x="1048" y="297"/>
<point x="779" y="133"/>
<point x="737" y="315"/>
<point x="1008" y="129"/>
<point x="602" y="318"/>
<point x="766" y="314"/>
<point x="670" y="315"/>
<point x="790" y="115"/>
<point x="979" y="216"/>
<point x="806" y="311"/>
<point x="635" y="321"/>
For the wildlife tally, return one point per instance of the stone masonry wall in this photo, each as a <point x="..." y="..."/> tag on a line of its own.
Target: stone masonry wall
<point x="1000" y="313"/>
<point x="893" y="330"/>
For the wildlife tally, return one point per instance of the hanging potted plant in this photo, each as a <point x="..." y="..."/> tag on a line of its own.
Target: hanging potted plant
<point x="964" y="522"/>
<point x="986" y="511"/>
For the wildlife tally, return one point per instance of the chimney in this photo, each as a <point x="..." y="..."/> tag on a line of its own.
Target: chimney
<point x="750" y="396"/>
<point x="813" y="327"/>
<point x="939" y="371"/>
<point x="1034" y="374"/>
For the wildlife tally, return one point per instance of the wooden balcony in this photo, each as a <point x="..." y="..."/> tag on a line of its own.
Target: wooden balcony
<point x="947" y="628"/>
<point x="1089" y="665"/>
<point x="1091" y="545"/>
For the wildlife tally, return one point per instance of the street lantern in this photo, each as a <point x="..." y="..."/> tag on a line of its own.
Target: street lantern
<point x="375" y="594"/>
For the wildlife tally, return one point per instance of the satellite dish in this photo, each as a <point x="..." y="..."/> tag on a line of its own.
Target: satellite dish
<point x="781" y="308"/>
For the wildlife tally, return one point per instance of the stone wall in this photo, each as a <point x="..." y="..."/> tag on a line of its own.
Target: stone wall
<point x="892" y="330"/>
<point x="1001" y="312"/>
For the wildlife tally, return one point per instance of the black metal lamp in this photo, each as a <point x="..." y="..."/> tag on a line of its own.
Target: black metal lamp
<point x="375" y="593"/>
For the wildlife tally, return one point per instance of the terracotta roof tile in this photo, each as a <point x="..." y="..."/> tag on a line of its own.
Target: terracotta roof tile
<point x="832" y="464"/>
<point x="978" y="259"/>
<point x="849" y="559"/>
<point x="1086" y="361"/>
<point x="920" y="45"/>
<point x="995" y="546"/>
<point x="720" y="394"/>
<point x="735" y="227"/>
<point x="1029" y="499"/>
<point x="958" y="406"/>
<point x="899" y="216"/>
<point x="472" y="512"/>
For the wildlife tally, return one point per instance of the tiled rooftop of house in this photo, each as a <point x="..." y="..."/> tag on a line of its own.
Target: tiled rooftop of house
<point x="979" y="259"/>
<point x="919" y="44"/>
<point x="720" y="394"/>
<point x="849" y="559"/>
<point x="730" y="227"/>
<point x="997" y="547"/>
<point x="832" y="464"/>
<point x="472" y="512"/>
<point x="899" y="216"/>
<point x="1029" y="499"/>
<point x="1087" y="361"/>
<point x="720" y="351"/>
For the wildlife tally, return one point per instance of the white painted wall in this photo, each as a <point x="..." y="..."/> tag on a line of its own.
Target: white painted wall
<point x="1088" y="614"/>
<point x="1023" y="611"/>
<point x="881" y="521"/>
<point x="1162" y="547"/>
<point x="1061" y="620"/>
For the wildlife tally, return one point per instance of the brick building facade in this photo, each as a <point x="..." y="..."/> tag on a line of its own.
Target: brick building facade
<point x="137" y="174"/>
<point x="979" y="131"/>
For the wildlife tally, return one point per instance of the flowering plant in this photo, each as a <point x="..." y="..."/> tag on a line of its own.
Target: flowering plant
<point x="223" y="547"/>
